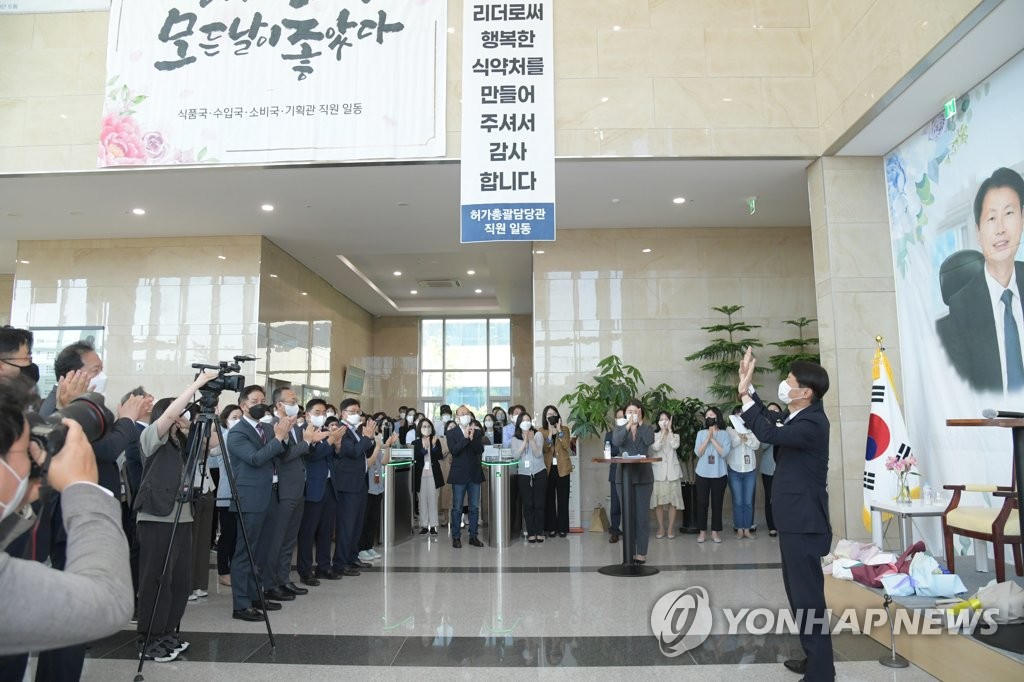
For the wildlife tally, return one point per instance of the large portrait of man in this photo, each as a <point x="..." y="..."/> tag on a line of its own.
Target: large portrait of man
<point x="982" y="332"/>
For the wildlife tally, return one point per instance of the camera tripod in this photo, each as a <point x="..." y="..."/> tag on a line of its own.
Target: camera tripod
<point x="197" y="447"/>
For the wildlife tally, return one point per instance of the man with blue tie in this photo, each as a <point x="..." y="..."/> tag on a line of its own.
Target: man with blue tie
<point x="348" y="476"/>
<point x="290" y="469"/>
<point x="317" y="525"/>
<point x="799" y="500"/>
<point x="252" y="446"/>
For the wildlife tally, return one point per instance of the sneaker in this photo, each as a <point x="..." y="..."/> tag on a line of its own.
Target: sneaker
<point x="433" y="530"/>
<point x="202" y="593"/>
<point x="193" y="596"/>
<point x="365" y="556"/>
<point x="374" y="553"/>
<point x="174" y="643"/>
<point x="157" y="651"/>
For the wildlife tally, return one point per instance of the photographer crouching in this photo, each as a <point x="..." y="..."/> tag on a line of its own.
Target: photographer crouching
<point x="92" y="597"/>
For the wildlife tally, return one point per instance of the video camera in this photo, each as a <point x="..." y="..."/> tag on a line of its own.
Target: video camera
<point x="226" y="380"/>
<point x="89" y="410"/>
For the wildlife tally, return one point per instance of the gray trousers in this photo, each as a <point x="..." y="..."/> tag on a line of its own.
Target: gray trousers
<point x="282" y="542"/>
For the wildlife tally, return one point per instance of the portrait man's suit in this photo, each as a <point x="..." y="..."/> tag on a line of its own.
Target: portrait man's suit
<point x="252" y="451"/>
<point x="318" y="513"/>
<point x="290" y="490"/>
<point x="968" y="333"/>
<point x="800" y="506"/>
<point x="348" y="477"/>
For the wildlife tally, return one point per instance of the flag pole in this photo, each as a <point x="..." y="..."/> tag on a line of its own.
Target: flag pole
<point x="878" y="340"/>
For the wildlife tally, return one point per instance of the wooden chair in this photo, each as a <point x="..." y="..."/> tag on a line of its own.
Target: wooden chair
<point x="998" y="525"/>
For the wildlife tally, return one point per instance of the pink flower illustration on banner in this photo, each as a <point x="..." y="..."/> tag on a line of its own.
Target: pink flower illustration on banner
<point x="121" y="141"/>
<point x="154" y="145"/>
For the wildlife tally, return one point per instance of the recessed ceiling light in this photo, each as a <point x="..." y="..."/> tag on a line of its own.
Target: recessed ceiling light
<point x="615" y="201"/>
<point x="267" y="207"/>
<point x="646" y="250"/>
<point x="273" y="276"/>
<point x="539" y="251"/>
<point x="451" y="29"/>
<point x="478" y="291"/>
<point x="616" y="28"/>
<point x="413" y="292"/>
<point x="398" y="273"/>
<point x="139" y="211"/>
<point x="24" y="262"/>
<point x="604" y="99"/>
<point x="470" y="272"/>
<point x="222" y="257"/>
<point x="727" y="99"/>
<point x="679" y="200"/>
<point x="305" y="294"/>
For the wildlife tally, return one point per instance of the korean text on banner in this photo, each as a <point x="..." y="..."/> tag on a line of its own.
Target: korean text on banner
<point x="508" y="122"/>
<point x="189" y="81"/>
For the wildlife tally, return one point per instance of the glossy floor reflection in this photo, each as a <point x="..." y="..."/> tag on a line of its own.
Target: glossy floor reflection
<point x="495" y="612"/>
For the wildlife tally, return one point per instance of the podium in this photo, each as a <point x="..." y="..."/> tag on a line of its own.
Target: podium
<point x="629" y="568"/>
<point x="1017" y="429"/>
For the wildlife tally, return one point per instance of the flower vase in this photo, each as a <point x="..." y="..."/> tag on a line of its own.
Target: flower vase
<point x="902" y="490"/>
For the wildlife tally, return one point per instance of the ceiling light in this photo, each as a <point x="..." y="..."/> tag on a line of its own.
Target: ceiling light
<point x="398" y="273"/>
<point x="222" y="257"/>
<point x="615" y="201"/>
<point x="538" y="252"/>
<point x="139" y="211"/>
<point x="727" y="99"/>
<point x="470" y="272"/>
<point x="478" y="291"/>
<point x="267" y="207"/>
<point x="413" y="292"/>
<point x="604" y="99"/>
<point x="24" y="262"/>
<point x="451" y="29"/>
<point x="305" y="294"/>
<point x="616" y="28"/>
<point x="273" y="275"/>
<point x="679" y="200"/>
<point x="646" y="250"/>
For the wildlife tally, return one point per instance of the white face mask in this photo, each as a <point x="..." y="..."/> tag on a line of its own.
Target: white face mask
<point x="464" y="420"/>
<point x="99" y="383"/>
<point x="784" y="389"/>
<point x="526" y="425"/>
<point x="445" y="418"/>
<point x="232" y="422"/>
<point x="410" y="418"/>
<point x="9" y="508"/>
<point x="291" y="410"/>
<point x="426" y="430"/>
<point x="663" y="423"/>
<point x="488" y="423"/>
<point x="267" y="419"/>
<point x="353" y="419"/>
<point x="620" y="421"/>
<point x="318" y="420"/>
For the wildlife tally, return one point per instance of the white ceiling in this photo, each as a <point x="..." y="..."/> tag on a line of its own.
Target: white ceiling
<point x="386" y="217"/>
<point x="356" y="224"/>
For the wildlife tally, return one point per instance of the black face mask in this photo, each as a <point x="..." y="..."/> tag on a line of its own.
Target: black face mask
<point x="258" y="412"/>
<point x="31" y="371"/>
<point x="711" y="421"/>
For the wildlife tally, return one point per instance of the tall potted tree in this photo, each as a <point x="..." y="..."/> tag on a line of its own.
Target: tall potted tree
<point x="794" y="349"/>
<point x="722" y="356"/>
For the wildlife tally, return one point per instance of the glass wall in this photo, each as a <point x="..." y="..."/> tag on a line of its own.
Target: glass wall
<point x="465" y="362"/>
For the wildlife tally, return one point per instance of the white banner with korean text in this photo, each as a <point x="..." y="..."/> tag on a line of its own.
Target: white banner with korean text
<point x="235" y="82"/>
<point x="40" y="6"/>
<point x="508" y="122"/>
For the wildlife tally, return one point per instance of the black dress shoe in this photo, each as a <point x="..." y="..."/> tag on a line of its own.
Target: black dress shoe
<point x="562" y="535"/>
<point x="310" y="580"/>
<point x="614" y="538"/>
<point x="294" y="589"/>
<point x="796" y="665"/>
<point x="277" y="594"/>
<point x="457" y="543"/>
<point x="271" y="605"/>
<point x="475" y="541"/>
<point x="329" y="574"/>
<point x="424" y="531"/>
<point x="350" y="571"/>
<point x="433" y="530"/>
<point x="552" y="534"/>
<point x="251" y="615"/>
<point x="359" y="563"/>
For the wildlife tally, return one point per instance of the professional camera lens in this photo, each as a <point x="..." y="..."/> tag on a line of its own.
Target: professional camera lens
<point x="88" y="410"/>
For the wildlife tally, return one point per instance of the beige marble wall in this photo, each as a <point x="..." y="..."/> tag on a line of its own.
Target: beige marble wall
<point x="861" y="48"/>
<point x="309" y="332"/>
<point x="6" y="298"/>
<point x="632" y="77"/>
<point x="596" y="294"/>
<point x="522" y="359"/>
<point x="163" y="304"/>
<point x="856" y="301"/>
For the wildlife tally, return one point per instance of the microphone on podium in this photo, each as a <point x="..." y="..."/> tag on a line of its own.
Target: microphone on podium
<point x="989" y="413"/>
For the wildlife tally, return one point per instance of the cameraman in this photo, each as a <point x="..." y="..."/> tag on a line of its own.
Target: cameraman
<point x="92" y="597"/>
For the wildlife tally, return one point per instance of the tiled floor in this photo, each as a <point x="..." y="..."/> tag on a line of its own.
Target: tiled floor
<point x="476" y="612"/>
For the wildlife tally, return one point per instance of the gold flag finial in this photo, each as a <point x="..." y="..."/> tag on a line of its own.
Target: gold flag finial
<point x="878" y="340"/>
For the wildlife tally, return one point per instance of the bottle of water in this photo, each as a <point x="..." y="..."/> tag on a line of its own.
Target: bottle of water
<point x="607" y="450"/>
<point x="926" y="494"/>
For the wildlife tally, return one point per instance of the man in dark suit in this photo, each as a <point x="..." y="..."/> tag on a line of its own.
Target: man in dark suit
<point x="982" y="333"/>
<point x="466" y="444"/>
<point x="319" y="508"/>
<point x="799" y="500"/>
<point x="290" y="469"/>
<point x="348" y="476"/>
<point x="252" y="446"/>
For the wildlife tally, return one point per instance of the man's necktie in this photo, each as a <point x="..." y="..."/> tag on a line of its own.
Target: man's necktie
<point x="1014" y="361"/>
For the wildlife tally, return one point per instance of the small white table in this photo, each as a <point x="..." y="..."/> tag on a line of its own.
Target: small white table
<point x="905" y="514"/>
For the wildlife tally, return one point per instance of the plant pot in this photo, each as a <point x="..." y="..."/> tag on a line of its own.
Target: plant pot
<point x="689" y="524"/>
